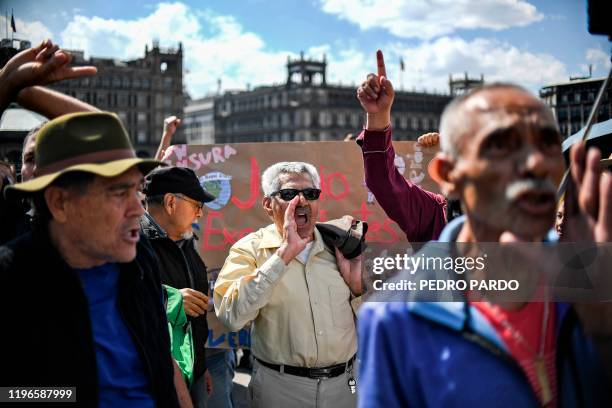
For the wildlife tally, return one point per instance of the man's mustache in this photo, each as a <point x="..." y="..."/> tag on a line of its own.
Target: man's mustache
<point x="539" y="186"/>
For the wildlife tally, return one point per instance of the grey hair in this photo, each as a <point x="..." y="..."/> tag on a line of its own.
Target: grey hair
<point x="270" y="179"/>
<point x="454" y="122"/>
<point x="32" y="133"/>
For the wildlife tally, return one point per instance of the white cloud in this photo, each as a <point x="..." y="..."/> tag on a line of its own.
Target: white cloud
<point x="599" y="59"/>
<point x="430" y="63"/>
<point x="217" y="46"/>
<point x="428" y="19"/>
<point x="214" y="46"/>
<point x="33" y="31"/>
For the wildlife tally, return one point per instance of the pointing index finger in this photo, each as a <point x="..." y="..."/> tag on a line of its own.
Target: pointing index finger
<point x="380" y="61"/>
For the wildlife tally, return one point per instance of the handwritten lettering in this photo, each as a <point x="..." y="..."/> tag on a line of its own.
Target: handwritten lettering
<point x="253" y="188"/>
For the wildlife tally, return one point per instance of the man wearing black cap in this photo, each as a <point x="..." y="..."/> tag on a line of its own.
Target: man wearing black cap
<point x="174" y="202"/>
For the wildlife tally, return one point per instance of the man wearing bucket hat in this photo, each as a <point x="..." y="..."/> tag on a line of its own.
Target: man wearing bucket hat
<point x="175" y="200"/>
<point x="85" y="307"/>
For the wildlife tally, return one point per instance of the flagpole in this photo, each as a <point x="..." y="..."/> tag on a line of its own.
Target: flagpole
<point x="12" y="30"/>
<point x="6" y="21"/>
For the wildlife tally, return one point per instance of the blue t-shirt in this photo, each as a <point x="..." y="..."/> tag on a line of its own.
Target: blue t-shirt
<point x="121" y="373"/>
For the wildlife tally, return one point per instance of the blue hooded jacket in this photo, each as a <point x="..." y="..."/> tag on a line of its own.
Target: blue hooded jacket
<point x="447" y="354"/>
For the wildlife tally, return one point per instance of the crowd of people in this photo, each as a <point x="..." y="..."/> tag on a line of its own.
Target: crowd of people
<point x="105" y="290"/>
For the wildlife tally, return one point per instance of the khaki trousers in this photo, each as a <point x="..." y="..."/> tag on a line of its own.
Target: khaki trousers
<point x="272" y="389"/>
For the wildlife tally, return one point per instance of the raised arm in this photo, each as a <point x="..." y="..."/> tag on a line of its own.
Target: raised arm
<point x="51" y="103"/>
<point x="40" y="65"/>
<point x="419" y="213"/>
<point x="171" y="123"/>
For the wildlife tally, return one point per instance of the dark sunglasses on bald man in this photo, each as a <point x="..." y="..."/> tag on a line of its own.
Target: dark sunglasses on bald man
<point x="287" y="194"/>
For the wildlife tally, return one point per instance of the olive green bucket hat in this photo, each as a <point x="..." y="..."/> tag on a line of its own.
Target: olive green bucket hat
<point x="92" y="142"/>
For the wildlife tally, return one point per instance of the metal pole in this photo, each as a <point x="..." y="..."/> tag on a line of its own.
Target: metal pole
<point x="587" y="130"/>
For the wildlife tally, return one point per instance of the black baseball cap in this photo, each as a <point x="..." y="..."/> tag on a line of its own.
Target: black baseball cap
<point x="176" y="180"/>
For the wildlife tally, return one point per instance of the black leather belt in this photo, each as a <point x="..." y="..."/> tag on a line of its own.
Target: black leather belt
<point x="323" y="372"/>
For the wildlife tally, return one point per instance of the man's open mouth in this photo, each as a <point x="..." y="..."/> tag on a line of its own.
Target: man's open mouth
<point x="538" y="203"/>
<point x="132" y="235"/>
<point x="302" y="215"/>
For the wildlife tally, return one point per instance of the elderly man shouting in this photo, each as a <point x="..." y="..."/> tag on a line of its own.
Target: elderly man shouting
<point x="297" y="294"/>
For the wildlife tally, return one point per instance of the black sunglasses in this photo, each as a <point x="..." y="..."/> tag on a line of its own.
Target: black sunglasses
<point x="287" y="194"/>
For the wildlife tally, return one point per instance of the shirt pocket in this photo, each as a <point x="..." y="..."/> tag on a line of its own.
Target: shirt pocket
<point x="342" y="313"/>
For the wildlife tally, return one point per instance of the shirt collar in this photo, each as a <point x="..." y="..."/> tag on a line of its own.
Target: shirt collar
<point x="272" y="239"/>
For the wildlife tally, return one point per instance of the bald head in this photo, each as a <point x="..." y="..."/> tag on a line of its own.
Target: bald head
<point x="474" y="110"/>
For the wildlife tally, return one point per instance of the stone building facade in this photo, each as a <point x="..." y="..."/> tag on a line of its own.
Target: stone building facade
<point x="308" y="108"/>
<point x="571" y="102"/>
<point x="142" y="92"/>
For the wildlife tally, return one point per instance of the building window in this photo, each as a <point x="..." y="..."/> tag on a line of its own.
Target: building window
<point x="122" y="116"/>
<point x="141" y="100"/>
<point x="414" y="123"/>
<point x="577" y="97"/>
<point x="101" y="100"/>
<point x="141" y="136"/>
<point x="396" y="122"/>
<point x="142" y="117"/>
<point x="122" y="100"/>
<point x="167" y="83"/>
<point x="324" y="119"/>
<point x="425" y="124"/>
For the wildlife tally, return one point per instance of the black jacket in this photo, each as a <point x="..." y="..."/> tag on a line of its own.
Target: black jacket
<point x="181" y="267"/>
<point x="47" y="338"/>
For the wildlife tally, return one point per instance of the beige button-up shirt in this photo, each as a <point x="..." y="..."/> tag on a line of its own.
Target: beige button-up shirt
<point x="301" y="313"/>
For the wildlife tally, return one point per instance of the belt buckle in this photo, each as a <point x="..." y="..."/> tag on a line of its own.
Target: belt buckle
<point x="320" y="373"/>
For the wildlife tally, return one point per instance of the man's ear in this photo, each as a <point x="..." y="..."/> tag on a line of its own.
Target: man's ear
<point x="57" y="200"/>
<point x="266" y="203"/>
<point x="440" y="170"/>
<point x="169" y="203"/>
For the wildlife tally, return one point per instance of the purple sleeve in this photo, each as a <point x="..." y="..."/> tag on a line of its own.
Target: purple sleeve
<point x="419" y="213"/>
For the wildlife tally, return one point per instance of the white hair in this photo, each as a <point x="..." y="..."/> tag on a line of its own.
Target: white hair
<point x="270" y="179"/>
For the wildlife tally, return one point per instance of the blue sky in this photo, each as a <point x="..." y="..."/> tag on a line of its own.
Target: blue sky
<point x="529" y="42"/>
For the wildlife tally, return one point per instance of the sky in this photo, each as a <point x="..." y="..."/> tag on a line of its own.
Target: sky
<point x="247" y="42"/>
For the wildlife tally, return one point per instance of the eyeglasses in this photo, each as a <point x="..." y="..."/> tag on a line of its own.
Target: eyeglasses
<point x="197" y="205"/>
<point x="287" y="194"/>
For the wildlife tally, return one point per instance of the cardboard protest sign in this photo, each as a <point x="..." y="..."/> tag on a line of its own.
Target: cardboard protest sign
<point x="232" y="172"/>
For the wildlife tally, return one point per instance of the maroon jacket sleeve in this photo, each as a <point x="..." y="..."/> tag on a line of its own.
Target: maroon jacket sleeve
<point x="419" y="213"/>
